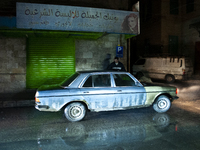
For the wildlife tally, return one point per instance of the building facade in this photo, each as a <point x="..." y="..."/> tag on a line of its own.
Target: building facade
<point x="30" y="58"/>
<point x="169" y="28"/>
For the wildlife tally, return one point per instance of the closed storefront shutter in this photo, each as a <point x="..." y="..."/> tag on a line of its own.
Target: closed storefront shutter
<point x="49" y="60"/>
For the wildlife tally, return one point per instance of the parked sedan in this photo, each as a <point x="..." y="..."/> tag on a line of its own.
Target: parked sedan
<point x="102" y="91"/>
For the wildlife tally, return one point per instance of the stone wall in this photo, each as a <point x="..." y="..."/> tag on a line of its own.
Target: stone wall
<point x="12" y="66"/>
<point x="90" y="54"/>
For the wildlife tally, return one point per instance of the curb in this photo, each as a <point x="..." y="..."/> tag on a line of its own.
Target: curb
<point x="18" y="103"/>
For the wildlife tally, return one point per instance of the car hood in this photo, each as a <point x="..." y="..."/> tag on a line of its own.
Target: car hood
<point x="151" y="87"/>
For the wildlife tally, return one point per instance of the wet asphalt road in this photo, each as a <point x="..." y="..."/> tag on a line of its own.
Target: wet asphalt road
<point x="137" y="129"/>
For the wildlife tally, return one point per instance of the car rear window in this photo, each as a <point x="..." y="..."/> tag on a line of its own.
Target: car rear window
<point x="69" y="80"/>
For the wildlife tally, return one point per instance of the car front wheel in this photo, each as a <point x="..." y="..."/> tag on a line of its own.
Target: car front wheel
<point x="75" y="111"/>
<point x="162" y="104"/>
<point x="170" y="78"/>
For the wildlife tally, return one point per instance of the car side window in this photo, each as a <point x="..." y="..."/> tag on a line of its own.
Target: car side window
<point x="123" y="80"/>
<point x="102" y="80"/>
<point x="88" y="82"/>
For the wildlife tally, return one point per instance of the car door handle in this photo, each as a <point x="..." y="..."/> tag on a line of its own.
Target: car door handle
<point x="85" y="92"/>
<point x="119" y="90"/>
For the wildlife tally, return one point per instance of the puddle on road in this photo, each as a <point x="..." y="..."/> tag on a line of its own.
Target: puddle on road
<point x="128" y="130"/>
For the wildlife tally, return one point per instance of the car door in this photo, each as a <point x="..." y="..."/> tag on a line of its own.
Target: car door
<point x="97" y="92"/>
<point x="128" y="92"/>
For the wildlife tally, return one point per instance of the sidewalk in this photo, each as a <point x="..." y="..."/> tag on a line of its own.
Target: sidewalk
<point x="22" y="99"/>
<point x="17" y="103"/>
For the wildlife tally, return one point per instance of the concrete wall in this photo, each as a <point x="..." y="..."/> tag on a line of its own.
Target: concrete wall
<point x="12" y="65"/>
<point x="170" y="25"/>
<point x="90" y="54"/>
<point x="189" y="37"/>
<point x="150" y="26"/>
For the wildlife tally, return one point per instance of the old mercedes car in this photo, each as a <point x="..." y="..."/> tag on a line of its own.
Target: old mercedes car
<point x="102" y="91"/>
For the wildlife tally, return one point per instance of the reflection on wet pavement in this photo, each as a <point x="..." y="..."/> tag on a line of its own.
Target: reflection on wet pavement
<point x="26" y="128"/>
<point x="108" y="133"/>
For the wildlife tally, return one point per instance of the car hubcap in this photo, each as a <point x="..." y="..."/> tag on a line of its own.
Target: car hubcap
<point x="75" y="112"/>
<point x="169" y="79"/>
<point x="162" y="104"/>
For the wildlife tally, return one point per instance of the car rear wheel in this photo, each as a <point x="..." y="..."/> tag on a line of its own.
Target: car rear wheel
<point x="75" y="111"/>
<point x="169" y="78"/>
<point x="162" y="104"/>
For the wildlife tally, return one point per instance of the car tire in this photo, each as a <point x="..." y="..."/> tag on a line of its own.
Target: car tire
<point x="169" y="78"/>
<point x="161" y="119"/>
<point x="75" y="111"/>
<point x="162" y="104"/>
<point x="75" y="134"/>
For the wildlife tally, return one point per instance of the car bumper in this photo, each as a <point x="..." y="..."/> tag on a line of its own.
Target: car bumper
<point x="42" y="107"/>
<point x="45" y="108"/>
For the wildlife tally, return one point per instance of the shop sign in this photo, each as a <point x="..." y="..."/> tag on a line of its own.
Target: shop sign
<point x="71" y="18"/>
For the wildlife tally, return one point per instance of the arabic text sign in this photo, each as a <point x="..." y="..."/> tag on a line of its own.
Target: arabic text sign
<point x="58" y="17"/>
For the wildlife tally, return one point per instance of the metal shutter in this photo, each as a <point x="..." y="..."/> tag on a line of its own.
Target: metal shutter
<point x="49" y="60"/>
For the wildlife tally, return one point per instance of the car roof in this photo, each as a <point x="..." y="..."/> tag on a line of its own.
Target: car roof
<point x="99" y="71"/>
<point x="83" y="74"/>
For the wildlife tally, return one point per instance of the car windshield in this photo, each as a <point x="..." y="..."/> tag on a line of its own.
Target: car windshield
<point x="70" y="79"/>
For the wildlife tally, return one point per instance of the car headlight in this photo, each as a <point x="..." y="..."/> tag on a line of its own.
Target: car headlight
<point x="37" y="94"/>
<point x="37" y="99"/>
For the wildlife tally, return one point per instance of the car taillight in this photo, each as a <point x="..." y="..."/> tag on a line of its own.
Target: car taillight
<point x="176" y="91"/>
<point x="183" y="71"/>
<point x="37" y="100"/>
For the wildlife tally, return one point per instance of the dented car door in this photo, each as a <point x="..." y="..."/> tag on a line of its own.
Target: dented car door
<point x="128" y="92"/>
<point x="118" y="91"/>
<point x="97" y="92"/>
